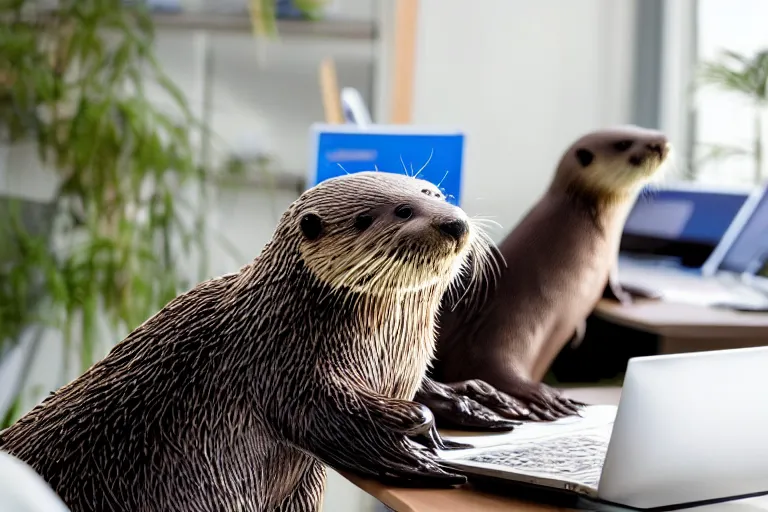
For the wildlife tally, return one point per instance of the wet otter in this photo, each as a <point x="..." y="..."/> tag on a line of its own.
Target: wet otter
<point x="497" y="344"/>
<point x="235" y="393"/>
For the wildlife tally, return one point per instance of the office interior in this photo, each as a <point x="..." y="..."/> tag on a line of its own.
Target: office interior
<point x="521" y="80"/>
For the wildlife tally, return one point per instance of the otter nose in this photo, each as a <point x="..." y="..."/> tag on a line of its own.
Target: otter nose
<point x="658" y="147"/>
<point x="455" y="228"/>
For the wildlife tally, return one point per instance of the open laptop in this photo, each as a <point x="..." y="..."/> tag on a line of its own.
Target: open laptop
<point x="679" y="225"/>
<point x="689" y="429"/>
<point x="721" y="280"/>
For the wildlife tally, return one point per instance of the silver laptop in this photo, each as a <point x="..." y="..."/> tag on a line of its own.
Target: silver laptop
<point x="689" y="428"/>
<point x="724" y="277"/>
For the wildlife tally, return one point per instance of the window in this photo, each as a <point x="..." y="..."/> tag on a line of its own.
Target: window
<point x="713" y="128"/>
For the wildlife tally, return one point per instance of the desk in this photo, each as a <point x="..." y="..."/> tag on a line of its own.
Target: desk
<point x="466" y="499"/>
<point x="455" y="500"/>
<point x="688" y="328"/>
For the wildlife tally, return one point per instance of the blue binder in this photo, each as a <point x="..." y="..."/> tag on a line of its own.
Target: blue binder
<point x="434" y="154"/>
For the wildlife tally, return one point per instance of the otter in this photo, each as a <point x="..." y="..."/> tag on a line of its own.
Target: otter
<point x="496" y="345"/>
<point x="237" y="392"/>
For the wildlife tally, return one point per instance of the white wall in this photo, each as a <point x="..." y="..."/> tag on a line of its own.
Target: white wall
<point x="524" y="79"/>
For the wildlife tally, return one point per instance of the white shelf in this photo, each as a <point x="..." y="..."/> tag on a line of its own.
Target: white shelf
<point x="218" y="22"/>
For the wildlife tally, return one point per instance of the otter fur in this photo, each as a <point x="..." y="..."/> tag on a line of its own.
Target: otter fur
<point x="496" y="345"/>
<point x="236" y="393"/>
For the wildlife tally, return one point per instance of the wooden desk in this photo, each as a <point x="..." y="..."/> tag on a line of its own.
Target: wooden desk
<point x="436" y="500"/>
<point x="688" y="328"/>
<point x="467" y="499"/>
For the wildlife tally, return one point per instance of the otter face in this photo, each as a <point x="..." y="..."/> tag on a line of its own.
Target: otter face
<point x="377" y="231"/>
<point x="617" y="161"/>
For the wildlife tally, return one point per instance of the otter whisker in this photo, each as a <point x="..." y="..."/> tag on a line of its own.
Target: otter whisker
<point x="648" y="192"/>
<point x="461" y="274"/>
<point x="342" y="168"/>
<point x="441" y="181"/>
<point x="488" y="250"/>
<point x="494" y="253"/>
<point x="461" y="297"/>
<point x="480" y="270"/>
<point x="431" y="153"/>
<point x="486" y="221"/>
<point x="405" y="169"/>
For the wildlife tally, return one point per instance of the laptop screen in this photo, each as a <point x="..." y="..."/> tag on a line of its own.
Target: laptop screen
<point x="750" y="245"/>
<point x="683" y="223"/>
<point x="684" y="215"/>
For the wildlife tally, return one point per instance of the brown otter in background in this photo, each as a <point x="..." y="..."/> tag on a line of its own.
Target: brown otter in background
<point x="235" y="393"/>
<point x="558" y="261"/>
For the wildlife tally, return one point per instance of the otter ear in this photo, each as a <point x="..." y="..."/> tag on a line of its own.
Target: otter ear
<point x="584" y="156"/>
<point x="311" y="226"/>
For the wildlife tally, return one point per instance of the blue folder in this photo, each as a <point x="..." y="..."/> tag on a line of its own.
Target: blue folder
<point x="434" y="154"/>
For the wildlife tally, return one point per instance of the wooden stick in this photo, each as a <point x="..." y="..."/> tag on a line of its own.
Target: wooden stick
<point x="406" y="14"/>
<point x="329" y="89"/>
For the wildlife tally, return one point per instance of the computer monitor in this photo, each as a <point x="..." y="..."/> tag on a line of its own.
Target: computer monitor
<point x="745" y="244"/>
<point x="685" y="222"/>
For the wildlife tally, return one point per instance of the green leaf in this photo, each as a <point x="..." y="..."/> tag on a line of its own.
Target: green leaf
<point x="12" y="413"/>
<point x="738" y="73"/>
<point x="121" y="160"/>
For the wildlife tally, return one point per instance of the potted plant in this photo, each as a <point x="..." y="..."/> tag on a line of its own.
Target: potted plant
<point x="105" y="252"/>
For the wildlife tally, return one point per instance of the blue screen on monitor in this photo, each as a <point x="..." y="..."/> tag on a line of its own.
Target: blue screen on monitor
<point x="684" y="215"/>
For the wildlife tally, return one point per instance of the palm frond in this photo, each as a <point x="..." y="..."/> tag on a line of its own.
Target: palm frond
<point x="713" y="152"/>
<point x="735" y="72"/>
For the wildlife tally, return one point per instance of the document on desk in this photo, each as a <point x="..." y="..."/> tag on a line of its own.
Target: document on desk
<point x="592" y="417"/>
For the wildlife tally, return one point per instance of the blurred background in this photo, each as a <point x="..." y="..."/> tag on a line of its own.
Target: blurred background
<point x="145" y="148"/>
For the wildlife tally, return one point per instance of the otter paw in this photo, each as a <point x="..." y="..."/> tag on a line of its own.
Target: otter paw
<point x="546" y="403"/>
<point x="373" y="437"/>
<point x="454" y="409"/>
<point x="634" y="291"/>
<point x="416" y="466"/>
<point x="617" y="292"/>
<point x="626" y="294"/>
<point x="434" y="441"/>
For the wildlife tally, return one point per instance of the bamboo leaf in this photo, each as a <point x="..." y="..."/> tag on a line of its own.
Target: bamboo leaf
<point x="714" y="152"/>
<point x="110" y="146"/>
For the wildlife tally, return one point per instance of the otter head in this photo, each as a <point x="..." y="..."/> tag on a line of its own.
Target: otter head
<point x="378" y="232"/>
<point x="614" y="163"/>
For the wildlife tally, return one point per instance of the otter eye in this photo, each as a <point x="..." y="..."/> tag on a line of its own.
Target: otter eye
<point x="584" y="156"/>
<point x="404" y="211"/>
<point x="311" y="226"/>
<point x="363" y="221"/>
<point x="622" y="145"/>
<point x="426" y="192"/>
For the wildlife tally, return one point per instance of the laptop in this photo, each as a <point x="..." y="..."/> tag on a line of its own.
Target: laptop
<point x="723" y="278"/>
<point x="689" y="429"/>
<point x="679" y="225"/>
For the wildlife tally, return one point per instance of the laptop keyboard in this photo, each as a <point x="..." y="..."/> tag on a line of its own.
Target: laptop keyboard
<point x="576" y="458"/>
